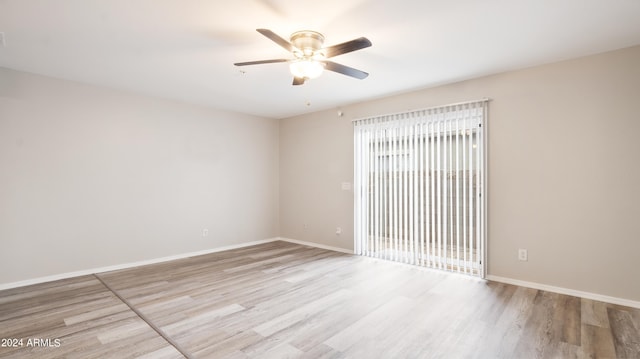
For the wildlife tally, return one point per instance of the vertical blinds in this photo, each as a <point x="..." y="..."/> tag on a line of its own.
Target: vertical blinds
<point x="419" y="187"/>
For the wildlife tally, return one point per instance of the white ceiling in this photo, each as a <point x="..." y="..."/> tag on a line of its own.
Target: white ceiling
<point x="185" y="49"/>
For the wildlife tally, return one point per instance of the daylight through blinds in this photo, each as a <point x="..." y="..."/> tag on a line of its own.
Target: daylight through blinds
<point x="419" y="183"/>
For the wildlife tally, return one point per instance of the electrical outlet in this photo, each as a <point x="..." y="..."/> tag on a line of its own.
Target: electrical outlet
<point x="338" y="231"/>
<point x="205" y="232"/>
<point x="522" y="254"/>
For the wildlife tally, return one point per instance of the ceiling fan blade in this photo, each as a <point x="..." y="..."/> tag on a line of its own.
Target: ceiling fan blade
<point x="277" y="39"/>
<point x="345" y="70"/>
<point x="260" y="62"/>
<point x="345" y="47"/>
<point x="298" y="81"/>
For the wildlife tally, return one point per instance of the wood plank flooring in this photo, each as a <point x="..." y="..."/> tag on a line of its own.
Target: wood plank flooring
<point x="283" y="300"/>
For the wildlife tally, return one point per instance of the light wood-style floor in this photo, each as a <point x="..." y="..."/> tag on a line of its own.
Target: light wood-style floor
<point x="280" y="300"/>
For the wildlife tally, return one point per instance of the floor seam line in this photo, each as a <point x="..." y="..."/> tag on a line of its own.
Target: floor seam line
<point x="144" y="318"/>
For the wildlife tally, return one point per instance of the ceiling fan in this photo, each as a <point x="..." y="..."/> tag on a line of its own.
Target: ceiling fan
<point x="310" y="58"/>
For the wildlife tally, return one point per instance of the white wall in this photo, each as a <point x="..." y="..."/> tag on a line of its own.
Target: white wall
<point x="91" y="177"/>
<point x="564" y="171"/>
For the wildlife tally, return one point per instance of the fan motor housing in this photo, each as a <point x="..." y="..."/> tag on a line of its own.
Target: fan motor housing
<point x="307" y="41"/>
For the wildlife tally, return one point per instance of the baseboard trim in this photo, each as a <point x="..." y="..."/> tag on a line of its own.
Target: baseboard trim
<point x="545" y="287"/>
<point x="316" y="245"/>
<point x="567" y="291"/>
<point x="79" y="273"/>
<point x="549" y="288"/>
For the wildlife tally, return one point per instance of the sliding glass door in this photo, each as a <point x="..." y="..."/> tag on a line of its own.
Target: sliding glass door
<point x="419" y="185"/>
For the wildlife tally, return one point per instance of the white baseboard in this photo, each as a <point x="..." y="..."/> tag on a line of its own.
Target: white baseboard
<point x="317" y="245"/>
<point x="129" y="265"/>
<point x="572" y="292"/>
<point x="159" y="260"/>
<point x="549" y="288"/>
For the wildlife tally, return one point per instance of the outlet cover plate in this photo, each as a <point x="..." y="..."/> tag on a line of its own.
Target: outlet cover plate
<point x="522" y="255"/>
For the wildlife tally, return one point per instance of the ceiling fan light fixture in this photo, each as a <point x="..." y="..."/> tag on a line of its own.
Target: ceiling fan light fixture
<point x="310" y="58"/>
<point x="306" y="68"/>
